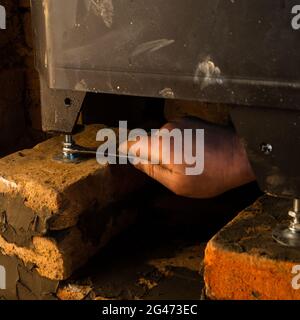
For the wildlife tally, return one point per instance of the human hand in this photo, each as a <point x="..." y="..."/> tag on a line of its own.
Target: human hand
<point x="226" y="164"/>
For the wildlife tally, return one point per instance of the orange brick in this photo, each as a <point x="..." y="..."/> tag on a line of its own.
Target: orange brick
<point x="243" y="262"/>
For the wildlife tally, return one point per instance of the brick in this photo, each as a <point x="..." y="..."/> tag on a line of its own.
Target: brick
<point x="38" y="194"/>
<point x="164" y="272"/>
<point x="243" y="261"/>
<point x="22" y="282"/>
<point x="73" y="292"/>
<point x="56" y="257"/>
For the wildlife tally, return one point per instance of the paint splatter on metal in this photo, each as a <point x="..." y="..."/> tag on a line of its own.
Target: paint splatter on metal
<point x="81" y="86"/>
<point x="167" y="93"/>
<point x="207" y="73"/>
<point x="104" y="9"/>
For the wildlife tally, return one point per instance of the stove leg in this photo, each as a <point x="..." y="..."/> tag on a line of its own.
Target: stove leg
<point x="289" y="235"/>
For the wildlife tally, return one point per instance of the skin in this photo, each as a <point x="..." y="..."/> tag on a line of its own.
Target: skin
<point x="226" y="163"/>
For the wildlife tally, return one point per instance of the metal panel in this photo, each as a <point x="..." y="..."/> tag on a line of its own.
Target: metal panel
<point x="272" y="139"/>
<point x="243" y="52"/>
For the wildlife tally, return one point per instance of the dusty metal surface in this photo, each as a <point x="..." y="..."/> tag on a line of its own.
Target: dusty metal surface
<point x="60" y="108"/>
<point x="219" y="51"/>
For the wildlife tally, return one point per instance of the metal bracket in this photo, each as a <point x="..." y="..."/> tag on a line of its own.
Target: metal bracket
<point x="60" y="108"/>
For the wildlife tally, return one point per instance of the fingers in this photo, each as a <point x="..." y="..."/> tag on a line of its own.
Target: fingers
<point x="164" y="148"/>
<point x="161" y="174"/>
<point x="226" y="163"/>
<point x="191" y="187"/>
<point x="142" y="151"/>
<point x="148" y="161"/>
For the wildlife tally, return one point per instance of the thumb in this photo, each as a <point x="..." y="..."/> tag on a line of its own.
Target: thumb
<point x="141" y="151"/>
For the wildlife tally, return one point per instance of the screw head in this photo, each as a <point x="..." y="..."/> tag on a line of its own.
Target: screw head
<point x="266" y="148"/>
<point x="68" y="102"/>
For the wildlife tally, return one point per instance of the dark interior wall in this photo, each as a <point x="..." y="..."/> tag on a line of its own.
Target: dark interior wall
<point x="19" y="89"/>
